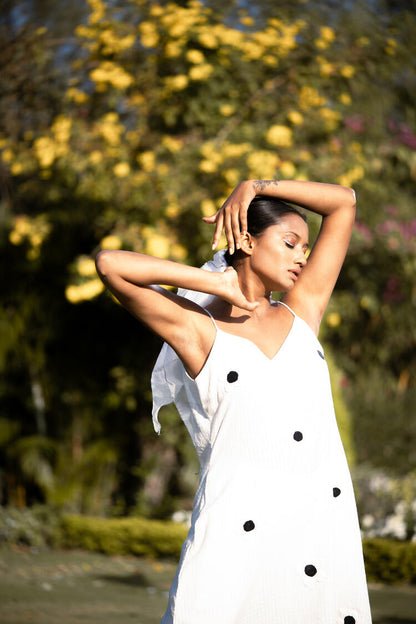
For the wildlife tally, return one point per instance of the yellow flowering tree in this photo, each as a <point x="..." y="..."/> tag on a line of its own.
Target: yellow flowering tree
<point x="162" y="110"/>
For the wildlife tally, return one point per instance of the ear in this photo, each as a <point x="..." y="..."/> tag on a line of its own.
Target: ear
<point x="247" y="243"/>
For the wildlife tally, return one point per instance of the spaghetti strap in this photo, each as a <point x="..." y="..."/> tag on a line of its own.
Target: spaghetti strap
<point x="211" y="317"/>
<point x="286" y="306"/>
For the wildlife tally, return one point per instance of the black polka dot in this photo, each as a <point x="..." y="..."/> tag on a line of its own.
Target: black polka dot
<point x="298" y="436"/>
<point x="349" y="620"/>
<point x="336" y="492"/>
<point x="321" y="354"/>
<point x="310" y="570"/>
<point x="232" y="376"/>
<point x="249" y="525"/>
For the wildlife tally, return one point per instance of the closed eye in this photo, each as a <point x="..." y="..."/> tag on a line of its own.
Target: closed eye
<point x="289" y="245"/>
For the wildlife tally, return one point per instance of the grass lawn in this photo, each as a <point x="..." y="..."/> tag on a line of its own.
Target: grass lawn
<point x="74" y="587"/>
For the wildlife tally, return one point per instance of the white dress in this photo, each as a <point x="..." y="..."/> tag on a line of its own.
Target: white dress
<point x="274" y="537"/>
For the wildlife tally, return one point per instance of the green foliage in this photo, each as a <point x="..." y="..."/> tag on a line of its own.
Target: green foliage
<point x="387" y="561"/>
<point x="136" y="536"/>
<point x="124" y="135"/>
<point x="37" y="527"/>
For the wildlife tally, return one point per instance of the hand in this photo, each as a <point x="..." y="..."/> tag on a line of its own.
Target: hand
<point x="232" y="216"/>
<point x="231" y="292"/>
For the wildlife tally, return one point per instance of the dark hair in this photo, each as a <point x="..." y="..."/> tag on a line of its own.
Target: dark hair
<point x="262" y="213"/>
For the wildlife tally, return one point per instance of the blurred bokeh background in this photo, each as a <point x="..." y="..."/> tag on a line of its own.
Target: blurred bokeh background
<point x="122" y="123"/>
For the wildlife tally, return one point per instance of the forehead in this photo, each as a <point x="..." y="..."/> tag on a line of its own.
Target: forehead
<point x="291" y="222"/>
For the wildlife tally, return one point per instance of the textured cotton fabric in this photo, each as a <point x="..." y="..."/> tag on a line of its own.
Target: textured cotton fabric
<point x="274" y="536"/>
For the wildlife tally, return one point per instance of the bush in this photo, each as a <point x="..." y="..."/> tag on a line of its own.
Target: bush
<point x="137" y="536"/>
<point x="35" y="526"/>
<point x="388" y="561"/>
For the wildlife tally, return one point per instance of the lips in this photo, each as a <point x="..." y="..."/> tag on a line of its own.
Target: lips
<point x="294" y="273"/>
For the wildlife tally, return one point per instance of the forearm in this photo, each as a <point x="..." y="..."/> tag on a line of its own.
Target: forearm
<point x="321" y="198"/>
<point x="142" y="270"/>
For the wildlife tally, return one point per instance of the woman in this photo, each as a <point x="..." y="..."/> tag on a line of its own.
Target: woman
<point x="274" y="537"/>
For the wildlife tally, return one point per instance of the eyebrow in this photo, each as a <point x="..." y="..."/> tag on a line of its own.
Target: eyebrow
<point x="306" y="245"/>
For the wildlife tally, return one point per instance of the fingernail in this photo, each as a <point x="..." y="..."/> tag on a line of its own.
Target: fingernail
<point x="231" y="251"/>
<point x="213" y="246"/>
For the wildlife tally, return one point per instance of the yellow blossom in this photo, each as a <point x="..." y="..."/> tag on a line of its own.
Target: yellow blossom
<point x="270" y="60"/>
<point x="121" y="169"/>
<point x="279" y="135"/>
<point x="111" y="73"/>
<point x="354" y="174"/>
<point x="7" y="155"/>
<point x="172" y="210"/>
<point x="147" y="160"/>
<point x="79" y="97"/>
<point x="201" y="72"/>
<point x="247" y="20"/>
<point x="327" y="33"/>
<point x="45" y="151"/>
<point x="177" y="83"/>
<point x="321" y="44"/>
<point x="262" y="164"/>
<point x="110" y="129"/>
<point x="173" y="145"/>
<point x="347" y="71"/>
<point x="287" y="169"/>
<point x="86" y="266"/>
<point x="333" y="319"/>
<point x="208" y="40"/>
<point x="234" y="150"/>
<point x="226" y="110"/>
<point x="114" y="44"/>
<point x="195" y="56"/>
<point x="62" y="128"/>
<point x="345" y="99"/>
<point x="149" y="35"/>
<point x="208" y="166"/>
<point x="310" y="97"/>
<point x="111" y="242"/>
<point x="252" y="50"/>
<point x="178" y="252"/>
<point x="363" y="41"/>
<point x="295" y="117"/>
<point x="16" y="168"/>
<point x="208" y="208"/>
<point x="158" y="245"/>
<point x="232" y="176"/>
<point x="84" y="292"/>
<point x="95" y="157"/>
<point x="326" y="69"/>
<point x="173" y="49"/>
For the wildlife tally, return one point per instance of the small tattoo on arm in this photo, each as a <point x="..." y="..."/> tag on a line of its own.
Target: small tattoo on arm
<point x="261" y="185"/>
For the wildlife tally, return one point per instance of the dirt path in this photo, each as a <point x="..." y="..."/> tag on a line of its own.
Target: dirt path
<point x="60" y="587"/>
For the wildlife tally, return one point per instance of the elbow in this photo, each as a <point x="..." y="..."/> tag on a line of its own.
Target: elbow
<point x="104" y="262"/>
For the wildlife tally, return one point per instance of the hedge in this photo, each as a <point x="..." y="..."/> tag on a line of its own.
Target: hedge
<point x="137" y="536"/>
<point x="386" y="561"/>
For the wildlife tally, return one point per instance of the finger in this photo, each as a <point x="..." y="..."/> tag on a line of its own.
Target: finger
<point x="211" y="218"/>
<point x="235" y="226"/>
<point x="250" y="306"/>
<point x="229" y="232"/>
<point x="243" y="218"/>
<point x="218" y="229"/>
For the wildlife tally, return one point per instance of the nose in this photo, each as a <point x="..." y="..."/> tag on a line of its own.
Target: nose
<point x="301" y="258"/>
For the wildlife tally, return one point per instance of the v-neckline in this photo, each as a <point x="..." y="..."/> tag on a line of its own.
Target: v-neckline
<point x="270" y="359"/>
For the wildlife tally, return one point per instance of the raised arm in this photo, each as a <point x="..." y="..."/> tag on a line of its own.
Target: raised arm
<point x="336" y="205"/>
<point x="133" y="279"/>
